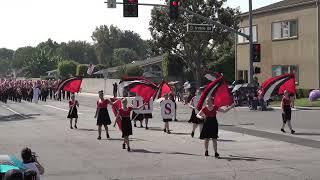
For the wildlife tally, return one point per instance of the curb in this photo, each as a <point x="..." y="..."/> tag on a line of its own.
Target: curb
<point x="299" y="108"/>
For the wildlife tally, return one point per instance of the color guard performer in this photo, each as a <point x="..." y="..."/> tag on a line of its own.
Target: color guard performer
<point x="102" y="114"/>
<point x="286" y="104"/>
<point x="194" y="119"/>
<point x="167" y="112"/>
<point x="73" y="112"/>
<point x="210" y="126"/>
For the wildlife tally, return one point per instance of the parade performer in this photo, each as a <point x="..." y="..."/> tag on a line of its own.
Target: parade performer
<point x="286" y="104"/>
<point x="126" y="126"/>
<point x="136" y="114"/>
<point x="210" y="126"/>
<point x="73" y="112"/>
<point x="36" y="94"/>
<point x="102" y="114"/>
<point x="167" y="112"/>
<point x="194" y="119"/>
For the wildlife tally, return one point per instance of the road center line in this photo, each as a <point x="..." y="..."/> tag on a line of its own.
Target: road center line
<point x="58" y="108"/>
<point x="14" y="111"/>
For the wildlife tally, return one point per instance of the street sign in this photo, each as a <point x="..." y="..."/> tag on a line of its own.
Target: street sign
<point x="112" y="3"/>
<point x="200" y="28"/>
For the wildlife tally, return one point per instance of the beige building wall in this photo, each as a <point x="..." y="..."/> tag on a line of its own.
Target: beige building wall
<point x="301" y="51"/>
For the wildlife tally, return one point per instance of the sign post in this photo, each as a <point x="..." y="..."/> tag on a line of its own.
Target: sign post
<point x="105" y="77"/>
<point x="200" y="28"/>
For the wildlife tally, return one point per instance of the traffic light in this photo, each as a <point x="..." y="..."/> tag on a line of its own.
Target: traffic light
<point x="256" y="53"/>
<point x="130" y="8"/>
<point x="174" y="9"/>
<point x="257" y="70"/>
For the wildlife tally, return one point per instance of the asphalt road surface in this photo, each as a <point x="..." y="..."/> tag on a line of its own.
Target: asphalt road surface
<point x="251" y="145"/>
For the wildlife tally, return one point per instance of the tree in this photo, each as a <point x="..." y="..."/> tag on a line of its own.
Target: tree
<point x="105" y="40"/>
<point x="6" y="56"/>
<point x="21" y="56"/>
<point x="173" y="36"/>
<point x="132" y="40"/>
<point x="67" y="68"/>
<point x="124" y="56"/>
<point x="79" y="51"/>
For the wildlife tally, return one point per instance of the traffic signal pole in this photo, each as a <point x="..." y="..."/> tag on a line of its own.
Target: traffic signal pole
<point x="251" y="70"/>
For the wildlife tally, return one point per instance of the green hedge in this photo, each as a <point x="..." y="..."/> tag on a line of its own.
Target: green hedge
<point x="82" y="70"/>
<point x="67" y="68"/>
<point x="303" y="93"/>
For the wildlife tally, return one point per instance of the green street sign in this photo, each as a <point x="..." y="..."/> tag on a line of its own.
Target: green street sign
<point x="200" y="28"/>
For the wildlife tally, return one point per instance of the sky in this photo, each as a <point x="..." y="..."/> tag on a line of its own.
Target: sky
<point x="29" y="22"/>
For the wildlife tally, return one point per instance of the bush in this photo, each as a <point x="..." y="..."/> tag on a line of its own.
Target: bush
<point x="100" y="67"/>
<point x="303" y="93"/>
<point x="67" y="68"/>
<point x="82" y="70"/>
<point x="134" y="71"/>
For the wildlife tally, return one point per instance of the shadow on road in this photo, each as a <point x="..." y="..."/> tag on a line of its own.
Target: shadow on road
<point x="145" y="151"/>
<point x="307" y="134"/>
<point x="245" y="158"/>
<point x="181" y="153"/>
<point x="226" y="140"/>
<point x="177" y="133"/>
<point x="155" y="129"/>
<point x="85" y="129"/>
<point x="17" y="117"/>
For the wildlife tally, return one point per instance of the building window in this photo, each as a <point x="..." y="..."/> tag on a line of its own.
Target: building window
<point x="285" y="29"/>
<point x="279" y="70"/>
<point x="245" y="30"/>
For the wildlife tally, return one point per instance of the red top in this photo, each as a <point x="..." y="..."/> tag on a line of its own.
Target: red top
<point x="72" y="103"/>
<point x="209" y="113"/>
<point x="286" y="102"/>
<point x="125" y="113"/>
<point x="103" y="104"/>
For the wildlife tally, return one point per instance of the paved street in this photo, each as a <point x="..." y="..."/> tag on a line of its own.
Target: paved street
<point x="251" y="145"/>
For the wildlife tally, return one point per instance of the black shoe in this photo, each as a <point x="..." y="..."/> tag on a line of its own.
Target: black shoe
<point x="164" y="130"/>
<point x="176" y="120"/>
<point x="292" y="131"/>
<point x="216" y="155"/>
<point x="99" y="138"/>
<point x="147" y="127"/>
<point x="135" y="125"/>
<point x="71" y="127"/>
<point x="283" y="130"/>
<point x="169" y="132"/>
<point x="129" y="149"/>
<point x="75" y="126"/>
<point x="141" y="126"/>
<point x="108" y="136"/>
<point x="192" y="134"/>
<point x="123" y="146"/>
<point x="206" y="153"/>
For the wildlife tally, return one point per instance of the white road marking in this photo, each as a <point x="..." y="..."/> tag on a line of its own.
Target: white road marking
<point x="58" y="108"/>
<point x="14" y="111"/>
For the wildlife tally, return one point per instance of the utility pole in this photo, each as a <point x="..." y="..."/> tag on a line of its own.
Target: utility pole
<point x="250" y="72"/>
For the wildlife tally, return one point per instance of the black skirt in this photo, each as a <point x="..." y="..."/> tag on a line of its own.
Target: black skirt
<point x="137" y="117"/>
<point x="73" y="113"/>
<point x="149" y="115"/>
<point x="286" y="116"/>
<point x="126" y="126"/>
<point x="194" y="119"/>
<point x="167" y="120"/>
<point x="210" y="129"/>
<point x="103" y="117"/>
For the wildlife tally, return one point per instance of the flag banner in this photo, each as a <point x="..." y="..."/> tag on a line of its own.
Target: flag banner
<point x="163" y="89"/>
<point x="277" y="85"/>
<point x="72" y="85"/>
<point x="217" y="89"/>
<point x="139" y="87"/>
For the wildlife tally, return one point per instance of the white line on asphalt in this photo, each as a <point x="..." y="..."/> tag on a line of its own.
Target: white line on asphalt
<point x="59" y="108"/>
<point x="14" y="111"/>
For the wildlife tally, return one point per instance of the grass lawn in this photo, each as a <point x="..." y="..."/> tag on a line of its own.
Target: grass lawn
<point x="304" y="102"/>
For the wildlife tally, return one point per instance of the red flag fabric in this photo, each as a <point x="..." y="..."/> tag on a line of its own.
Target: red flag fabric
<point x="217" y="89"/>
<point x="163" y="89"/>
<point x="115" y="109"/>
<point x="139" y="86"/>
<point x="72" y="84"/>
<point x="277" y="85"/>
